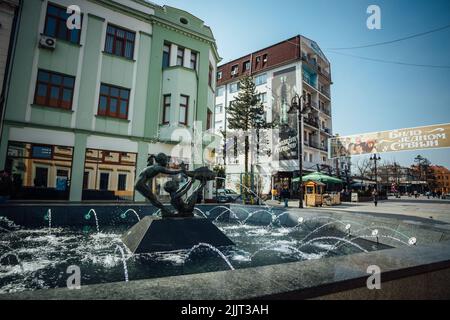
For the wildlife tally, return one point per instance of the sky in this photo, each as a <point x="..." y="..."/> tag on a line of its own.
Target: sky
<point x="367" y="96"/>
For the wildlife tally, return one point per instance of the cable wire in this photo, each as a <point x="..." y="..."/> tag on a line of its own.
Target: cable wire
<point x="393" y="41"/>
<point x="391" y="62"/>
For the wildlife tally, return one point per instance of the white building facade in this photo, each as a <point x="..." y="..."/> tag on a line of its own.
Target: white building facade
<point x="295" y="66"/>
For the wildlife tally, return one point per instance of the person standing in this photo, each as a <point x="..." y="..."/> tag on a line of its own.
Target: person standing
<point x="285" y="195"/>
<point x="375" y="197"/>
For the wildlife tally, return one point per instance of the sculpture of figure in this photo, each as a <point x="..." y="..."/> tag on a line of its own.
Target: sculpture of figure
<point x="185" y="208"/>
<point x="144" y="184"/>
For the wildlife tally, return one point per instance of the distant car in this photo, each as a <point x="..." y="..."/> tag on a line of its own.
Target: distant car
<point x="226" y="196"/>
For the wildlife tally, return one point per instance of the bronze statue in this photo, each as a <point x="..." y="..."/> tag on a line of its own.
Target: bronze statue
<point x="144" y="186"/>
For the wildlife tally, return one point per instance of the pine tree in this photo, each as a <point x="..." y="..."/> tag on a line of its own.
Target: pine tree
<point x="246" y="113"/>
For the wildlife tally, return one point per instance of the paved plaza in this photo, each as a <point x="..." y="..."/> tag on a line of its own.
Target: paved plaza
<point x="421" y="209"/>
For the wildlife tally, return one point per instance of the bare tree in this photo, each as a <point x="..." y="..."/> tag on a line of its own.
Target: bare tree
<point x="364" y="168"/>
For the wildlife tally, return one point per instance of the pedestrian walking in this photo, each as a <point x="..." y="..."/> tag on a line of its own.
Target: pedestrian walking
<point x="375" y="197"/>
<point x="285" y="195"/>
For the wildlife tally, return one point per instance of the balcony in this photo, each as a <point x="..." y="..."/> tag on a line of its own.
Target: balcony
<point x="325" y="92"/>
<point x="311" y="144"/>
<point x="312" y="122"/>
<point x="313" y="104"/>
<point x="323" y="72"/>
<point x="326" y="111"/>
<point x="323" y="147"/>
<point x="326" y="130"/>
<point x="309" y="82"/>
<point x="313" y="63"/>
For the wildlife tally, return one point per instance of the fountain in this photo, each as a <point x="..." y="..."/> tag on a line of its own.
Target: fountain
<point x="180" y="239"/>
<point x="48" y="217"/>
<point x="88" y="217"/>
<point x="124" y="215"/>
<point x="174" y="230"/>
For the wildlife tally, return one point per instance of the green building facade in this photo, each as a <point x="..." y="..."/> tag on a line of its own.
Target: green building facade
<point x="86" y="107"/>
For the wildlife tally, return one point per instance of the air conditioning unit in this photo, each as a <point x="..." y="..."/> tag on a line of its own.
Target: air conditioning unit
<point x="47" y="43"/>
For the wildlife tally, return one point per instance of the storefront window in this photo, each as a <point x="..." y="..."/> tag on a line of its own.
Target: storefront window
<point x="109" y="175"/>
<point x="38" y="171"/>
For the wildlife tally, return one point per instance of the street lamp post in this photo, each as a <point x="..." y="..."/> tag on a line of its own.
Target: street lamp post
<point x="298" y="104"/>
<point x="375" y="158"/>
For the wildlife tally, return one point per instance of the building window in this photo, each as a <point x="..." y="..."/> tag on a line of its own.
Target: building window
<point x="257" y="62"/>
<point x="194" y="60"/>
<point x="261" y="79"/>
<point x="122" y="182"/>
<point x="234" y="87"/>
<point x="54" y="89"/>
<point x="55" y="25"/>
<point x="262" y="97"/>
<point x="180" y="56"/>
<point x="112" y="175"/>
<point x="220" y="91"/>
<point x="86" y="180"/>
<point x="120" y="42"/>
<point x="166" y="109"/>
<point x="246" y="65"/>
<point x="210" y="75"/>
<point x="34" y="167"/>
<point x="41" y="177"/>
<point x="113" y="101"/>
<point x="264" y="60"/>
<point x="104" y="181"/>
<point x="219" y="75"/>
<point x="184" y="107"/>
<point x="166" y="56"/>
<point x="209" y="116"/>
<point x="219" y="108"/>
<point x="234" y="70"/>
<point x="310" y="157"/>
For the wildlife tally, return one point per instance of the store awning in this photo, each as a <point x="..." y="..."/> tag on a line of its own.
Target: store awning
<point x="319" y="177"/>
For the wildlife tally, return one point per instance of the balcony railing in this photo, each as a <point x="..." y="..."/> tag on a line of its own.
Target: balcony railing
<point x="316" y="66"/>
<point x="313" y="104"/>
<point x="326" y="111"/>
<point x="324" y="148"/>
<point x="326" y="92"/>
<point x="308" y="81"/>
<point x="323" y="72"/>
<point x="312" y="122"/>
<point x="326" y="130"/>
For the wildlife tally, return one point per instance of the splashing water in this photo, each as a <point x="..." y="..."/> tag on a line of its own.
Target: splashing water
<point x="272" y="215"/>
<point x="212" y="248"/>
<point x="48" y="217"/>
<point x="333" y="238"/>
<point x="5" y="230"/>
<point x="14" y="254"/>
<point x="251" y="191"/>
<point x="203" y="214"/>
<point x="88" y="216"/>
<point x="124" y="261"/>
<point x="124" y="215"/>
<point x="277" y="247"/>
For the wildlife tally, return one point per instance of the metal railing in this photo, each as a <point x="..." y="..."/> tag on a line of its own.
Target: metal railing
<point x="311" y="122"/>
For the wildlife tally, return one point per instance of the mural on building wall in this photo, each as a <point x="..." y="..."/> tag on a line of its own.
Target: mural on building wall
<point x="429" y="137"/>
<point x="283" y="90"/>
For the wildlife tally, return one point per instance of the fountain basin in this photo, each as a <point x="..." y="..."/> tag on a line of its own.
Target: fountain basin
<point x="155" y="234"/>
<point x="267" y="239"/>
<point x="407" y="273"/>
